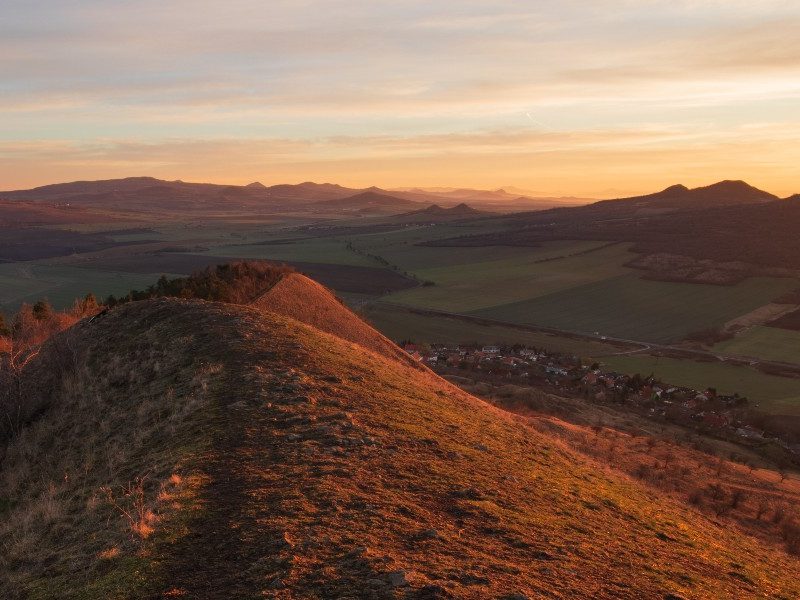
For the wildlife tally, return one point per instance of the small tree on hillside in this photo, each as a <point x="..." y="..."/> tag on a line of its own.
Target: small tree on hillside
<point x="85" y="306"/>
<point x="42" y="310"/>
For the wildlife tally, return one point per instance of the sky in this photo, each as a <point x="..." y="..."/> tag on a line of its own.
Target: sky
<point x="590" y="98"/>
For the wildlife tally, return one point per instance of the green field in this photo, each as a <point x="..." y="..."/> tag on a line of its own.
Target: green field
<point x="61" y="285"/>
<point x="766" y="343"/>
<point x="399" y="324"/>
<point x="492" y="282"/>
<point x="633" y="308"/>
<point x="772" y="394"/>
<point x="400" y="247"/>
<point x="319" y="250"/>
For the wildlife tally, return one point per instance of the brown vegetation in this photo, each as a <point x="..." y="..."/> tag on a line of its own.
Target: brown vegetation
<point x="716" y="477"/>
<point x="20" y="344"/>
<point x="238" y="282"/>
<point x="212" y="450"/>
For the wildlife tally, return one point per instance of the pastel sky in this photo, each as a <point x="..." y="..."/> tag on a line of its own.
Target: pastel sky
<point x="561" y="97"/>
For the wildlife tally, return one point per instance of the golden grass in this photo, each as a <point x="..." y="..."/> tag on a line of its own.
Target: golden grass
<point x="313" y="468"/>
<point x="305" y="300"/>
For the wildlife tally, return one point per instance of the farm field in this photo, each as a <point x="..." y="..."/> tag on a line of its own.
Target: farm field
<point x="316" y="250"/>
<point x="632" y="308"/>
<point x="470" y="287"/>
<point x="421" y="259"/>
<point x="61" y="284"/>
<point x="399" y="324"/>
<point x="767" y="343"/>
<point x="773" y="394"/>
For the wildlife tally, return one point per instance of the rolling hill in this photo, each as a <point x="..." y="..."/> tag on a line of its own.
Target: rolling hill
<point x="728" y="222"/>
<point x="370" y="202"/>
<point x="436" y="213"/>
<point x="208" y="450"/>
<point x="724" y="193"/>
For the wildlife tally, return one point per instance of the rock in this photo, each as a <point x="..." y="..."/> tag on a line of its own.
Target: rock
<point x="301" y="400"/>
<point x="398" y="579"/>
<point x="357" y="551"/>
<point x="428" y="534"/>
<point x="432" y="592"/>
<point x="285" y="541"/>
<point x="467" y="493"/>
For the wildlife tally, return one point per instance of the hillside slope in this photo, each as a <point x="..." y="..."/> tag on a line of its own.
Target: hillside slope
<point x="723" y="193"/>
<point x="307" y="301"/>
<point x="370" y="201"/>
<point x="285" y="463"/>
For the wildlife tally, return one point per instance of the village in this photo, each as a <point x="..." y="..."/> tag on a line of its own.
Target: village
<point x="724" y="416"/>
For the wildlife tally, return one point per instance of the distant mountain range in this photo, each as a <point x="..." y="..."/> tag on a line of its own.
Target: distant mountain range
<point x="150" y="194"/>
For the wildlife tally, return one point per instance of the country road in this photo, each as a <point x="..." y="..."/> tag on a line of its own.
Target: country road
<point x="639" y="347"/>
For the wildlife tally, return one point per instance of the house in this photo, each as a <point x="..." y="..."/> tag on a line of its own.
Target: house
<point x="716" y="420"/>
<point x="590" y="378"/>
<point x="491" y="350"/>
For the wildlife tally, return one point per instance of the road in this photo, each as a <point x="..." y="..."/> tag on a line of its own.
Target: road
<point x="637" y="345"/>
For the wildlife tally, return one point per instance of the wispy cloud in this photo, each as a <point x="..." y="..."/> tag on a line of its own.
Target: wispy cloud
<point x="323" y="81"/>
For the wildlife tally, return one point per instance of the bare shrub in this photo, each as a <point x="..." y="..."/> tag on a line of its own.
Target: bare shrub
<point x="130" y="502"/>
<point x="716" y="491"/>
<point x="791" y="535"/>
<point x="697" y="497"/>
<point x="738" y="496"/>
<point x="762" y="508"/>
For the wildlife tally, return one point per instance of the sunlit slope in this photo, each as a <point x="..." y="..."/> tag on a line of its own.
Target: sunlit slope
<point x="307" y="301"/>
<point x="308" y="467"/>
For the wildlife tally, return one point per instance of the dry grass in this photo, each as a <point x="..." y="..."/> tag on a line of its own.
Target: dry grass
<point x="305" y="300"/>
<point x="335" y="472"/>
<point x="719" y="478"/>
<point x="84" y="484"/>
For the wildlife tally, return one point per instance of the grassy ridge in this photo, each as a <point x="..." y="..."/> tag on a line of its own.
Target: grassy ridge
<point x="336" y="473"/>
